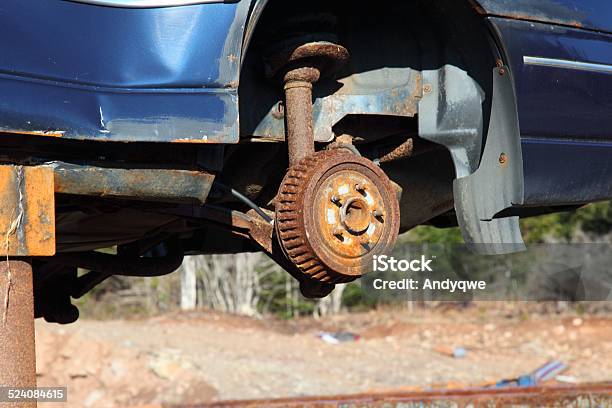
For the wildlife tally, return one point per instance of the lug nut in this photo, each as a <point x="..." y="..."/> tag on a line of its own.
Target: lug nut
<point x="360" y="187"/>
<point x="336" y="200"/>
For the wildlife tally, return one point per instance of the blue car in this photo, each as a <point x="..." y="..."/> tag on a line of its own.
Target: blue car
<point x="314" y="131"/>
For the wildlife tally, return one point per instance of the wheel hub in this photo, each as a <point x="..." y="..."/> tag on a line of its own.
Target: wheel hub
<point x="347" y="202"/>
<point x="355" y="215"/>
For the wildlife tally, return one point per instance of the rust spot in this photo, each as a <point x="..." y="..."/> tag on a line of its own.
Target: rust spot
<point x="325" y="56"/>
<point x="139" y="184"/>
<point x="345" y="210"/>
<point x="477" y="7"/>
<point x="408" y="105"/>
<point x="47" y="133"/>
<point x="506" y="11"/>
<point x="261" y="231"/>
<point x="400" y="152"/>
<point x="27" y="211"/>
<point x="18" y="359"/>
<point x="417" y="93"/>
<point x="543" y="19"/>
<point x="540" y="396"/>
<point x="576" y="24"/>
<point x="202" y="140"/>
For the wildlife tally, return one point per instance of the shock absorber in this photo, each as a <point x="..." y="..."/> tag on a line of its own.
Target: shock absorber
<point x="300" y="66"/>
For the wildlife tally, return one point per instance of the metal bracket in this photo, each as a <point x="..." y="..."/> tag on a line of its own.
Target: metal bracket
<point x="27" y="211"/>
<point x="400" y="100"/>
<point x="163" y="185"/>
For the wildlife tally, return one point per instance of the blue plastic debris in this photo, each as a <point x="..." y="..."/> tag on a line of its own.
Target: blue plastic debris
<point x="546" y="372"/>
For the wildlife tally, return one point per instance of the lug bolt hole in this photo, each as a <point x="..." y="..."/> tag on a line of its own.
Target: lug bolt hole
<point x="378" y="214"/>
<point x="338" y="233"/>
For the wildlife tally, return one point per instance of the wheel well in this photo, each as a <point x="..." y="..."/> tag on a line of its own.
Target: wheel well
<point x="387" y="43"/>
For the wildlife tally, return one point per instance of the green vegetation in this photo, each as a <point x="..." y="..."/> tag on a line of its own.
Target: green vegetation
<point x="593" y="220"/>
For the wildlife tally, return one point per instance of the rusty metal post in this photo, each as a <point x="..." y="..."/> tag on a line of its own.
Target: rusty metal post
<point x="17" y="352"/>
<point x="27" y="228"/>
<point x="298" y="97"/>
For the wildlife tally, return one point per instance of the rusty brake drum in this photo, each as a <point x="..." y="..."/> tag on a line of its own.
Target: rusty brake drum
<point x="334" y="212"/>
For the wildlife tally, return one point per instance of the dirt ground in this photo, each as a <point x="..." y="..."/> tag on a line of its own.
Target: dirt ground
<point x="205" y="356"/>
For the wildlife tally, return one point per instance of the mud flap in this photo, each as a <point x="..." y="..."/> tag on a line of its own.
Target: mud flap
<point x="452" y="116"/>
<point x="498" y="182"/>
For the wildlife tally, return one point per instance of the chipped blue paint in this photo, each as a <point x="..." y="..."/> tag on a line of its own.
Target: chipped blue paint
<point x="586" y="14"/>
